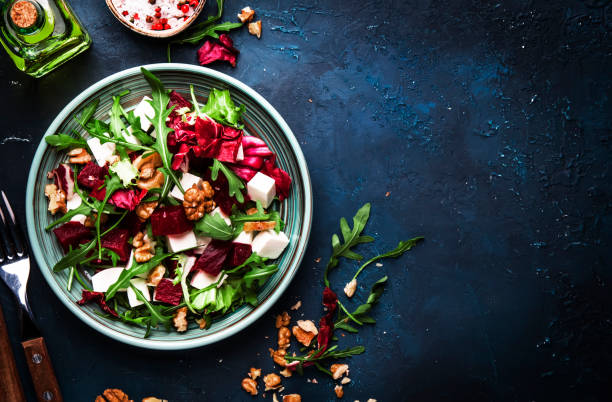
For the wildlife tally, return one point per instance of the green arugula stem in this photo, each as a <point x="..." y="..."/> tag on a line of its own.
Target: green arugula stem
<point x="349" y="315"/>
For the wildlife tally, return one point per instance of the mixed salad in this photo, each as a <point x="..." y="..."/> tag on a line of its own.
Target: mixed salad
<point x="169" y="211"/>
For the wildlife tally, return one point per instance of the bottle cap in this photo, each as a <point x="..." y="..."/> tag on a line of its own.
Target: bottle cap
<point x="24" y="14"/>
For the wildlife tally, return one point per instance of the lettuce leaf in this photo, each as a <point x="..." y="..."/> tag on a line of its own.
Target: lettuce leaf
<point x="221" y="108"/>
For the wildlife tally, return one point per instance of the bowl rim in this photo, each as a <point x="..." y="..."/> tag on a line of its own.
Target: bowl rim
<point x="156" y="34"/>
<point x="236" y="327"/>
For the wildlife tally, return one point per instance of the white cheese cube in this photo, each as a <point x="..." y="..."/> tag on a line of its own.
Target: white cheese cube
<point x="144" y="110"/>
<point x="191" y="260"/>
<point x="262" y="188"/>
<point x="187" y="181"/>
<point x="218" y="211"/>
<point x="202" y="242"/>
<point x="181" y="241"/>
<point x="201" y="279"/>
<point x="240" y="154"/>
<point x="102" y="152"/>
<point x="74" y="202"/>
<point x="269" y="244"/>
<point x="103" y="279"/>
<point x="244" y="238"/>
<point x="141" y="285"/>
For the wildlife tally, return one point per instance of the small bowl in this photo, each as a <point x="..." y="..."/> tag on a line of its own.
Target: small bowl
<point x="260" y="119"/>
<point x="157" y="34"/>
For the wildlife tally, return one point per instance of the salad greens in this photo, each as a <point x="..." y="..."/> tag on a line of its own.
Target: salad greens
<point x="235" y="184"/>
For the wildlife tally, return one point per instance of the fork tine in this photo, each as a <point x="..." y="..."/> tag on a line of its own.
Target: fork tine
<point x="12" y="229"/>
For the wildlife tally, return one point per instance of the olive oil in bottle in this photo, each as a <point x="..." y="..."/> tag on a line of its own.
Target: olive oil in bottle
<point x="40" y="35"/>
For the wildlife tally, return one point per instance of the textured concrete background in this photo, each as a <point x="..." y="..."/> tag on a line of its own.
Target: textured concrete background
<point x="490" y="125"/>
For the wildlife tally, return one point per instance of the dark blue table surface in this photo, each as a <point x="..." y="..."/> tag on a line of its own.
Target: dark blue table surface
<point x="489" y="125"/>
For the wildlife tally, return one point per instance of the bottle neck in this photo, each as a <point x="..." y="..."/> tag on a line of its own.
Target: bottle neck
<point x="26" y="16"/>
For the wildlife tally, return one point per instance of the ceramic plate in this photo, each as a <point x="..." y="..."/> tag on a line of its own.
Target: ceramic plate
<point x="260" y="119"/>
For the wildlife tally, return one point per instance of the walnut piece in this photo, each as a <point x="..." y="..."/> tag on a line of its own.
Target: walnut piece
<point x="258" y="226"/>
<point x="302" y="336"/>
<point x="255" y="28"/>
<point x="338" y="370"/>
<point x="339" y="391"/>
<point x="202" y="323"/>
<point x="197" y="203"/>
<point x="278" y="356"/>
<point x="254" y="373"/>
<point x="79" y="156"/>
<point x="145" y="210"/>
<point x="180" y="319"/>
<point x="153" y="399"/>
<point x="155" y="275"/>
<point x="296" y="305"/>
<point x="308" y="326"/>
<point x="246" y="14"/>
<point x="345" y="380"/>
<point x="283" y="319"/>
<point x="57" y="199"/>
<point x="292" y="398"/>
<point x="90" y="221"/>
<point x="148" y="175"/>
<point x="249" y="385"/>
<point x="284" y="336"/>
<point x="113" y="395"/>
<point x="350" y="288"/>
<point x="272" y="381"/>
<point x="286" y="372"/>
<point x="253" y="211"/>
<point x="144" y="248"/>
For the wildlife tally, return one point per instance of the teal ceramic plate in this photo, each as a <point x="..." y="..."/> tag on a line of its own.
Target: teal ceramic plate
<point x="260" y="119"/>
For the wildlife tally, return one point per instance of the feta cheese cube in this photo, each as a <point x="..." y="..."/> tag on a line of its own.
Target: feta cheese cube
<point x="74" y="202"/>
<point x="105" y="278"/>
<point x="218" y="211"/>
<point x="201" y="279"/>
<point x="240" y="155"/>
<point x="141" y="285"/>
<point x="102" y="152"/>
<point x="202" y="242"/>
<point x="187" y="181"/>
<point x="79" y="218"/>
<point x="244" y="238"/>
<point x="181" y="241"/>
<point x="270" y="244"/>
<point x="262" y="188"/>
<point x="144" y="110"/>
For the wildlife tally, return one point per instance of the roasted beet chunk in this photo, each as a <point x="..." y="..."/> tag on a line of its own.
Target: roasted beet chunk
<point x="166" y="292"/>
<point x="71" y="234"/>
<point x="170" y="220"/>
<point x="240" y="253"/>
<point x="213" y="258"/>
<point x="117" y="241"/>
<point x="92" y="176"/>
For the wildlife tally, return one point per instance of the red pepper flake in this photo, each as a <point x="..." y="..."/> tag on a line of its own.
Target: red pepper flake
<point x="163" y="20"/>
<point x="125" y="13"/>
<point x="136" y="17"/>
<point x="167" y="26"/>
<point x="157" y="14"/>
<point x="157" y="9"/>
<point x="157" y="27"/>
<point x="184" y="8"/>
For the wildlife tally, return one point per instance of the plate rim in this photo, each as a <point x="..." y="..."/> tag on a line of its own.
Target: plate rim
<point x="223" y="333"/>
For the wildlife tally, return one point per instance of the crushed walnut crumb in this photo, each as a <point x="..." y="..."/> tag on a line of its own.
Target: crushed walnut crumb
<point x="272" y="381"/>
<point x="180" y="319"/>
<point x="249" y="385"/>
<point x="255" y="29"/>
<point x="296" y="306"/>
<point x="338" y="370"/>
<point x="283" y="319"/>
<point x="254" y="373"/>
<point x="246" y="14"/>
<point x="339" y="391"/>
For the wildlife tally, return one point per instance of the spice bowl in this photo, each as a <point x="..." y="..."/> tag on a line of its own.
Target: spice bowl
<point x="156" y="18"/>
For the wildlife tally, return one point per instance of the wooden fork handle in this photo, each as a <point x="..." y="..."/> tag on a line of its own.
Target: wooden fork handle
<point x="45" y="384"/>
<point x="10" y="384"/>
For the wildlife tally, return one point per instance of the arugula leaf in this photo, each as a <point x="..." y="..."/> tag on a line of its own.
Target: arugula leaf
<point x="234" y="183"/>
<point x="112" y="184"/>
<point x="238" y="217"/>
<point x="221" y="108"/>
<point x="331" y="353"/>
<point x="134" y="122"/>
<point x="87" y="112"/>
<point x="214" y="226"/>
<point x="401" y="248"/>
<point x="259" y="275"/>
<point x="136" y="269"/>
<point x="116" y="124"/>
<point x="160" y="101"/>
<point x="361" y="313"/>
<point x="156" y="315"/>
<point x="351" y="238"/>
<point x="81" y="209"/>
<point x="74" y="257"/>
<point x="64" y="141"/>
<point x="210" y="31"/>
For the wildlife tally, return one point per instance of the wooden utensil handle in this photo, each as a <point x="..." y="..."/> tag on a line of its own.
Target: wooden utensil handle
<point x="45" y="384"/>
<point x="10" y="384"/>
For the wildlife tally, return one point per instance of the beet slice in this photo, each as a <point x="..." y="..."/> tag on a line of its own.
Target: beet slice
<point x="170" y="220"/>
<point x="239" y="254"/>
<point x="166" y="292"/>
<point x="212" y="259"/>
<point x="117" y="241"/>
<point x="92" y="176"/>
<point x="71" y="234"/>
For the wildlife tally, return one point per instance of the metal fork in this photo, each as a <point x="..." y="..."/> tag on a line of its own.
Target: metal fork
<point x="15" y="270"/>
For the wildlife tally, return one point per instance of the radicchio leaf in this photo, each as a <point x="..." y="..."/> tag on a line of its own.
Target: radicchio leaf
<point x="92" y="176"/>
<point x="97" y="297"/>
<point x="127" y="199"/>
<point x="214" y="51"/>
<point x="64" y="179"/>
